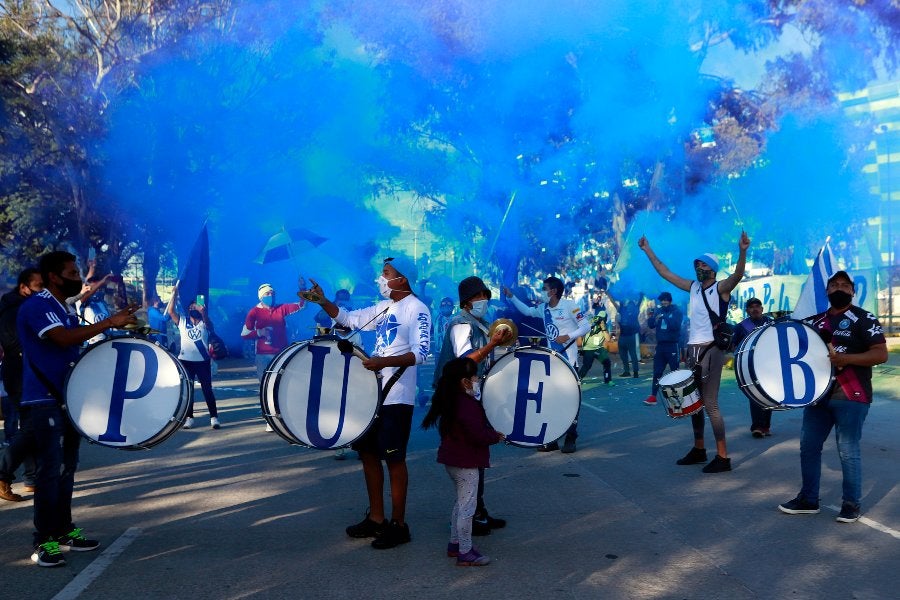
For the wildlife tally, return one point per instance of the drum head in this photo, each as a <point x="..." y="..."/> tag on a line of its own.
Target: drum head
<point x="127" y="393"/>
<point x="319" y="397"/>
<point x="531" y="395"/>
<point x="784" y="365"/>
<point x="675" y="377"/>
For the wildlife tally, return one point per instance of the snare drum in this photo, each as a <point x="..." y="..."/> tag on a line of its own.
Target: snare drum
<point x="315" y="395"/>
<point x="127" y="393"/>
<point x="680" y="393"/>
<point x="532" y="395"/>
<point x="783" y="365"/>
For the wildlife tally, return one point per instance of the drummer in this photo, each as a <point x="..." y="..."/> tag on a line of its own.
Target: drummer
<point x="702" y="351"/>
<point x="467" y="335"/>
<point x="50" y="335"/>
<point x="760" y="419"/>
<point x="564" y="323"/>
<point x="402" y="325"/>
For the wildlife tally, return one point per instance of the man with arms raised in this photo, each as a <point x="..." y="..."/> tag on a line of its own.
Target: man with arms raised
<point x="707" y="296"/>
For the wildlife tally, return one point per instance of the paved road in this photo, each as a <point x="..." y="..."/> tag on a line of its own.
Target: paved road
<point x="238" y="513"/>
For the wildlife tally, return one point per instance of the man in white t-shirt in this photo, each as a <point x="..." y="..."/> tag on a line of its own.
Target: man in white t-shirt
<point x="402" y="324"/>
<point x="564" y="323"/>
<point x="701" y="350"/>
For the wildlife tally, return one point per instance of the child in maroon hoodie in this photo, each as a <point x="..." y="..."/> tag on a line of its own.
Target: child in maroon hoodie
<point x="465" y="438"/>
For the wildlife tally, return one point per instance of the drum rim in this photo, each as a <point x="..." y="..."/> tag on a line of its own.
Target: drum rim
<point x="277" y="422"/>
<point x="542" y="349"/>
<point x="186" y="397"/>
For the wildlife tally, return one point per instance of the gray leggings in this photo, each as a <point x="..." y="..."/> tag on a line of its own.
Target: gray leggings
<point x="711" y="365"/>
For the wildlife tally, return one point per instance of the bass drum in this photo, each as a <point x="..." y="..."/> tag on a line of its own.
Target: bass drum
<point x="127" y="393"/>
<point x="532" y="395"/>
<point x="783" y="365"/>
<point x="314" y="394"/>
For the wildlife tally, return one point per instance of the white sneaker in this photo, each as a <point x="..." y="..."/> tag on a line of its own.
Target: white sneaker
<point x="269" y="428"/>
<point x="189" y="422"/>
<point x="214" y="422"/>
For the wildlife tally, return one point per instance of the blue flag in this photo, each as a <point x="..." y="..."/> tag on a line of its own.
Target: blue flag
<point x="813" y="299"/>
<point x="194" y="276"/>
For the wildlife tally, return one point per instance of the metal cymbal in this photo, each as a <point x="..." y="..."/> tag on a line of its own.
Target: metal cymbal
<point x="504" y="325"/>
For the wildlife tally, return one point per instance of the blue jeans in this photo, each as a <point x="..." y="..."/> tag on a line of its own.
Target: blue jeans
<point x="55" y="442"/>
<point x="847" y="418"/>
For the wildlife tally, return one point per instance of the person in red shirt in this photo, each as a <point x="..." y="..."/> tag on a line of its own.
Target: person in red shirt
<point x="265" y="324"/>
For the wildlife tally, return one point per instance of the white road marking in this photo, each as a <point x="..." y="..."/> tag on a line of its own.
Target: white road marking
<point x="873" y="524"/>
<point x="95" y="569"/>
<point x="597" y="408"/>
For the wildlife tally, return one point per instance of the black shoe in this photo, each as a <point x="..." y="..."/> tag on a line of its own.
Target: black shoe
<point x="849" y="513"/>
<point x="490" y="521"/>
<point x="77" y="542"/>
<point x="549" y="447"/>
<point x="799" y="506"/>
<point x="367" y="528"/>
<point x="625" y="374"/>
<point x="694" y="457"/>
<point x="480" y="527"/>
<point x="635" y="375"/>
<point x="392" y="536"/>
<point x="718" y="465"/>
<point x="48" y="554"/>
<point x="569" y="446"/>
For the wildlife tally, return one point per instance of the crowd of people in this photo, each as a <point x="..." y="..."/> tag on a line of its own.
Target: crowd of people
<point x="50" y="316"/>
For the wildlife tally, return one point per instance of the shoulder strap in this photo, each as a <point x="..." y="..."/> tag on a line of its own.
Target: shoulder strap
<point x="47" y="383"/>
<point x="713" y="317"/>
<point x="392" y="380"/>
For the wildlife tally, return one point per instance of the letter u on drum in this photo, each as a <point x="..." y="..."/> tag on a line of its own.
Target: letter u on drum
<point x="321" y="397"/>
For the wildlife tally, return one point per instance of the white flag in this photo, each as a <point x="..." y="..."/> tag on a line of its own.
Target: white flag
<point x="813" y="298"/>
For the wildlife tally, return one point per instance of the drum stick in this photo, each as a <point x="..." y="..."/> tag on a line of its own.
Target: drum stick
<point x="734" y="206"/>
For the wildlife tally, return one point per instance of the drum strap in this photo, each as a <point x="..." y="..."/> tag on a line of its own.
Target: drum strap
<point x="47" y="383"/>
<point x="391" y="381"/>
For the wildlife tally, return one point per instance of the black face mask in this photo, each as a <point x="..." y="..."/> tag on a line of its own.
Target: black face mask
<point x="71" y="287"/>
<point x="839" y="299"/>
<point x="195" y="314"/>
<point x="704" y="274"/>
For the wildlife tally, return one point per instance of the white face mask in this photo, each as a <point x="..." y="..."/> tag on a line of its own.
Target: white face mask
<point x="479" y="308"/>
<point x="383" y="287"/>
<point x="545" y="297"/>
<point x="475" y="392"/>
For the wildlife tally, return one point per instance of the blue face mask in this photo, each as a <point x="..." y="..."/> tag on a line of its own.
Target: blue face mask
<point x="268" y="300"/>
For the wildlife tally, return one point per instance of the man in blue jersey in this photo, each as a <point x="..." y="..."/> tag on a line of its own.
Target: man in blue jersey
<point x="50" y="335"/>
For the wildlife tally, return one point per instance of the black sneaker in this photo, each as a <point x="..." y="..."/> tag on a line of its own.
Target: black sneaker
<point x="367" y="528"/>
<point x="48" y="554"/>
<point x="718" y="465"/>
<point x="549" y="447"/>
<point x="694" y="457"/>
<point x="799" y="506"/>
<point x="569" y="446"/>
<point x="77" y="542"/>
<point x="490" y="521"/>
<point x="480" y="527"/>
<point x="393" y="535"/>
<point x="625" y="374"/>
<point x="849" y="513"/>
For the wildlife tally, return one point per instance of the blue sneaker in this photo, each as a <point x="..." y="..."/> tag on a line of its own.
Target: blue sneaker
<point x="472" y="558"/>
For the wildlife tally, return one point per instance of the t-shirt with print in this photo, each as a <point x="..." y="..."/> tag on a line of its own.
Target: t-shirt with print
<point x="566" y="318"/>
<point x="40" y="313"/>
<point x="194" y="340"/>
<point x="404" y="326"/>
<point x="853" y="331"/>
